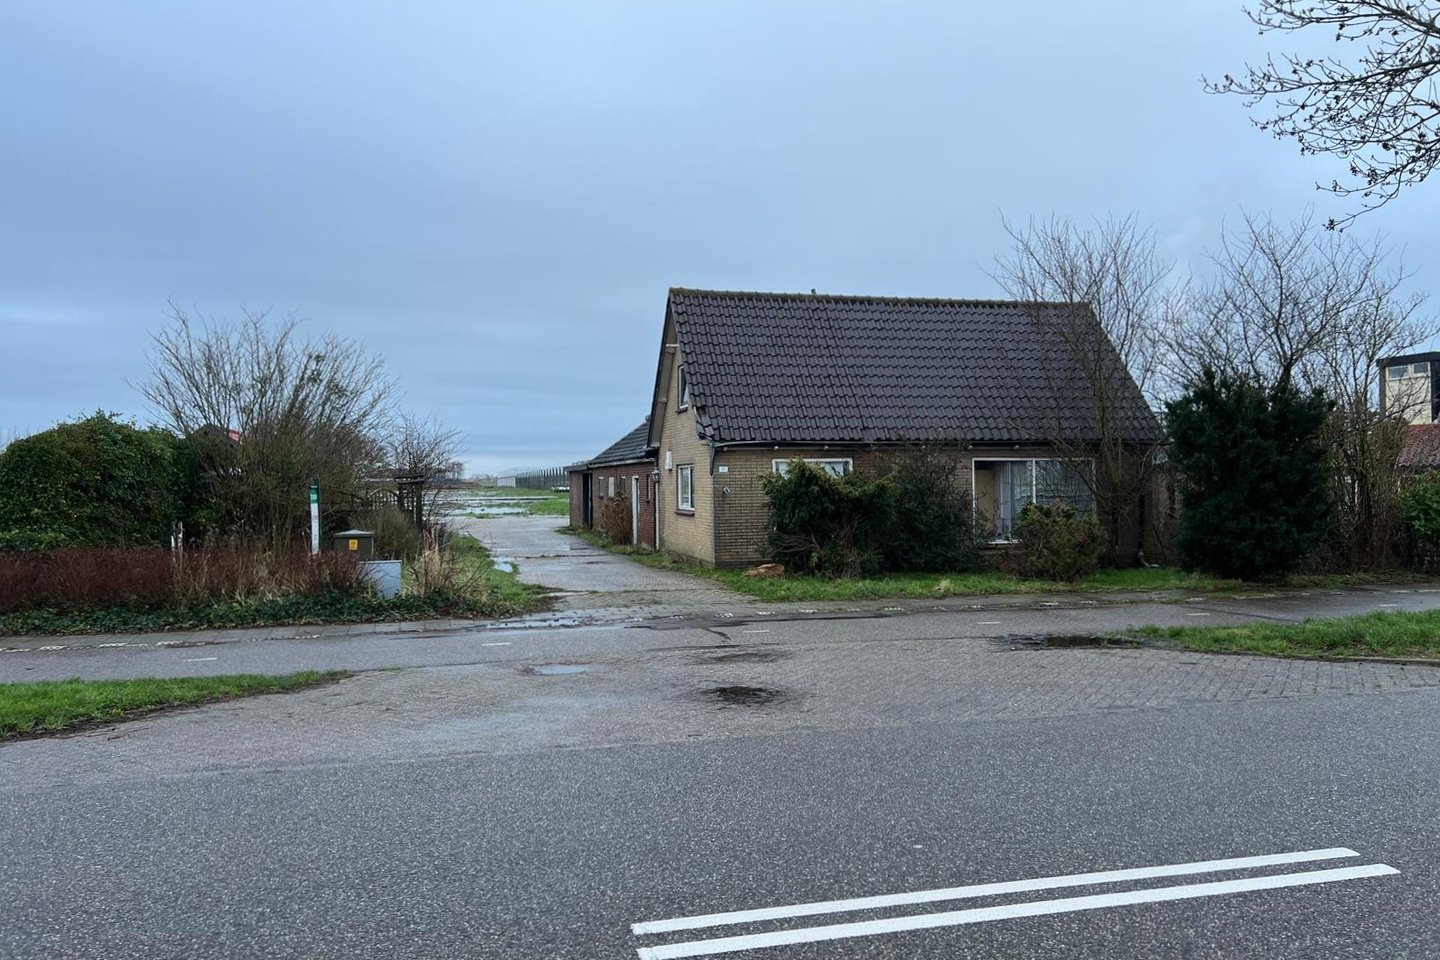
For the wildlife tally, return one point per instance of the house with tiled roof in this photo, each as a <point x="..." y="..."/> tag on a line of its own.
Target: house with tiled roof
<point x="625" y="470"/>
<point x="747" y="382"/>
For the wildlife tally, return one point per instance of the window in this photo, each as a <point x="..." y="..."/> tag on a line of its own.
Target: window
<point x="836" y="468"/>
<point x="685" y="488"/>
<point x="612" y="487"/>
<point x="1397" y="372"/>
<point x="684" y="387"/>
<point x="1002" y="488"/>
<point x="1420" y="367"/>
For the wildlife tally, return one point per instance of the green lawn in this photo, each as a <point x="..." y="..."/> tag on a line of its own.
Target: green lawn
<point x="919" y="585"/>
<point x="52" y="706"/>
<point x="502" y="587"/>
<point x="1372" y="635"/>
<point x="939" y="585"/>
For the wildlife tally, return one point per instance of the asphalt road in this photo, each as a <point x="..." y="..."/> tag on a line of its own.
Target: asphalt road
<point x="480" y="807"/>
<point x="558" y="853"/>
<point x="219" y="652"/>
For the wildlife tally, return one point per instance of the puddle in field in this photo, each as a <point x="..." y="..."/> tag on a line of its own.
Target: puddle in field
<point x="555" y="669"/>
<point x="744" y="696"/>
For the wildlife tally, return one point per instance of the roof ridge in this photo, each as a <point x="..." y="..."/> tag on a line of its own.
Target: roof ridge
<point x="873" y="298"/>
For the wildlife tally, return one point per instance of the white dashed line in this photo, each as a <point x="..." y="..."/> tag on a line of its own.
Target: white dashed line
<point x="505" y="644"/>
<point x="754" y="631"/>
<point x="988" y="623"/>
<point x="1197" y="614"/>
<point x="198" y="659"/>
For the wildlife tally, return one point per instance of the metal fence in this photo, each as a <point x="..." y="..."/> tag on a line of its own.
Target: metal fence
<point x="541" y="479"/>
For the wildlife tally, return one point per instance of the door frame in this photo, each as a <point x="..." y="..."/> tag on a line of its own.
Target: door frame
<point x="635" y="510"/>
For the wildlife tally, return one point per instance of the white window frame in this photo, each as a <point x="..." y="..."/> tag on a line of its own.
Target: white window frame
<point x="1420" y="369"/>
<point x="782" y="465"/>
<point x="611" y="486"/>
<point x="974" y="500"/>
<point x="1398" y="372"/>
<point x="684" y="389"/>
<point x="685" y="478"/>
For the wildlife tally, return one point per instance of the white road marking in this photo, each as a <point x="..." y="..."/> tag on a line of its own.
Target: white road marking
<point x="198" y="659"/>
<point x="989" y="623"/>
<point x="505" y="644"/>
<point x="1197" y="614"/>
<point x="103" y="645"/>
<point x="1037" y="908"/>
<point x="53" y="646"/>
<point x="1389" y="604"/>
<point x="754" y="631"/>
<point x="987" y="890"/>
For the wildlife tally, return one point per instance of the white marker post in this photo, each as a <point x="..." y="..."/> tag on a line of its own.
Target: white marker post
<point x="314" y="517"/>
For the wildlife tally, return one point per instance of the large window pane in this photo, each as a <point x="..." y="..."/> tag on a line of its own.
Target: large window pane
<point x="1059" y="482"/>
<point x="1014" y="480"/>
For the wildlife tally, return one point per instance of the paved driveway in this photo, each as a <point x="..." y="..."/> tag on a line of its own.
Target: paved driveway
<point x="594" y="584"/>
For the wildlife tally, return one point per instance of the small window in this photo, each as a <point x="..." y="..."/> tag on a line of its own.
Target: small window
<point x="1397" y="373"/>
<point x="836" y="468"/>
<point x="685" y="484"/>
<point x="612" y="487"/>
<point x="684" y="387"/>
<point x="1420" y="367"/>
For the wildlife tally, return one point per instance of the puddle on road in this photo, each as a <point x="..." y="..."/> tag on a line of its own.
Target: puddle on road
<point x="503" y="564"/>
<point x="1068" y="641"/>
<point x="742" y="656"/>
<point x="736" y="695"/>
<point x="555" y="669"/>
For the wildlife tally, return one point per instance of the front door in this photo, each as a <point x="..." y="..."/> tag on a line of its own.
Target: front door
<point x="635" y="510"/>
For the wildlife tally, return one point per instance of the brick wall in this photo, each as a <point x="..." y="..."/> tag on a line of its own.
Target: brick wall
<point x="742" y="514"/>
<point x="687" y="535"/>
<point x="577" y="498"/>
<point x="622" y="475"/>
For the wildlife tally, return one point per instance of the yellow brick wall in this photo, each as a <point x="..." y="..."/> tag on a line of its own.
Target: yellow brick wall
<point x="742" y="515"/>
<point x="691" y="536"/>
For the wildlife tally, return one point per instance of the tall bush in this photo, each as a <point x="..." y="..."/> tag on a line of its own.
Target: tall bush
<point x="1056" y="542"/>
<point x="830" y="525"/>
<point x="1255" y="474"/>
<point x="1420" y="514"/>
<point x="96" y="482"/>
<point x="932" y="528"/>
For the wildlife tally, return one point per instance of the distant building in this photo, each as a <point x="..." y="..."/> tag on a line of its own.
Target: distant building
<point x="1410" y="389"/>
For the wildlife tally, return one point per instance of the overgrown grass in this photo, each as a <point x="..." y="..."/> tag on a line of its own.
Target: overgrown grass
<point x="792" y="588"/>
<point x="53" y="706"/>
<point x="918" y="585"/>
<point x="1370" y="635"/>
<point x="477" y="590"/>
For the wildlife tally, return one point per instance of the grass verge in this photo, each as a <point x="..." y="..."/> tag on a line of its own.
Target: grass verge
<point x="1404" y="635"/>
<point x="917" y="585"/>
<point x="921" y="586"/>
<point x="476" y="590"/>
<point x="55" y="706"/>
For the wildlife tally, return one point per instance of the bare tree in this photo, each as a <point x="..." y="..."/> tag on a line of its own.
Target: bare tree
<point x="1123" y="293"/>
<point x="1378" y="110"/>
<point x="420" y="453"/>
<point x="1293" y="302"/>
<point x="279" y="410"/>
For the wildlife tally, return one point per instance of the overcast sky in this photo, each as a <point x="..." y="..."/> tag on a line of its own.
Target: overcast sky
<point x="496" y="196"/>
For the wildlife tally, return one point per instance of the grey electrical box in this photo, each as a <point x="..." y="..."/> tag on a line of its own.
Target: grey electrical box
<point x="360" y="544"/>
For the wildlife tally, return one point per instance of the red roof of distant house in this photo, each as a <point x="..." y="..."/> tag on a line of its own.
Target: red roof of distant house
<point x="1422" y="447"/>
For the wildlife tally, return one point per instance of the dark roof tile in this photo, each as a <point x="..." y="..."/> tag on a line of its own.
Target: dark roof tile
<point x="815" y="368"/>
